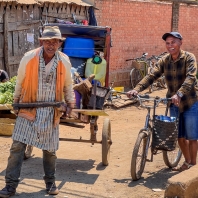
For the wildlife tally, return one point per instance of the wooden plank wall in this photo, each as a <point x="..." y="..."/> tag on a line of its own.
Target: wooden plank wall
<point x="19" y="28"/>
<point x="19" y="20"/>
<point x="1" y="38"/>
<point x="63" y="11"/>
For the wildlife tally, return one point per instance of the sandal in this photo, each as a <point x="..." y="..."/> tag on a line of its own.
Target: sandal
<point x="183" y="167"/>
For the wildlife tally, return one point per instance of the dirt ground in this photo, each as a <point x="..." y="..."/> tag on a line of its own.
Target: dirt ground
<point x="80" y="173"/>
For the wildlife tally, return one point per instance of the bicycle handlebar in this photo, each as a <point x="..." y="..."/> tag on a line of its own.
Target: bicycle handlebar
<point x="156" y="100"/>
<point x="146" y="97"/>
<point x="143" y="57"/>
<point x="139" y="58"/>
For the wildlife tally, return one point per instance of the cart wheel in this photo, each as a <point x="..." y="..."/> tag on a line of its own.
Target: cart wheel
<point x="28" y="152"/>
<point x="106" y="141"/>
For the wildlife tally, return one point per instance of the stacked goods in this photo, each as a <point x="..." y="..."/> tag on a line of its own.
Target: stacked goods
<point x="7" y="91"/>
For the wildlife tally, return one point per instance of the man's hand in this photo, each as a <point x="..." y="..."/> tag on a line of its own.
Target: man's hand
<point x="69" y="109"/>
<point x="176" y="100"/>
<point x="132" y="93"/>
<point x="68" y="112"/>
<point x="62" y="108"/>
<point x="15" y="100"/>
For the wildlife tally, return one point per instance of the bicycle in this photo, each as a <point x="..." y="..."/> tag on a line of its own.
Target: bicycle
<point x="143" y="142"/>
<point x="139" y="69"/>
<point x="142" y="66"/>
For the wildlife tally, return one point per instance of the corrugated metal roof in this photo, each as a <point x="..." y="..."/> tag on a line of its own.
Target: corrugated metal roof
<point x="21" y="1"/>
<point x="195" y="2"/>
<point x="27" y="2"/>
<point x="78" y="2"/>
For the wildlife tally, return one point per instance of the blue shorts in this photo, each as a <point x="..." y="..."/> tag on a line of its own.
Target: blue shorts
<point x="188" y="121"/>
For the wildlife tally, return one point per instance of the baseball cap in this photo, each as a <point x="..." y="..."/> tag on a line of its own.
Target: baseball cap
<point x="174" y="34"/>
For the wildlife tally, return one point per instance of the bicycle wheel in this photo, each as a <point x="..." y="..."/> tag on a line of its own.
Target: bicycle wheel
<point x="139" y="156"/>
<point x="135" y="77"/>
<point x="172" y="158"/>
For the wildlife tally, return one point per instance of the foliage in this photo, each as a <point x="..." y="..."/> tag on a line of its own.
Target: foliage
<point x="7" y="91"/>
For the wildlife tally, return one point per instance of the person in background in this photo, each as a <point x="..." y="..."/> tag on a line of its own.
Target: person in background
<point x="45" y="76"/>
<point x="180" y="69"/>
<point x="3" y="76"/>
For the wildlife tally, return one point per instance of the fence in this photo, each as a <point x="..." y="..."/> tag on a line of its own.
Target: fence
<point x="19" y="28"/>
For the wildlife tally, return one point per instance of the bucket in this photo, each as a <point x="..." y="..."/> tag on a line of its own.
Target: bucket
<point x="79" y="47"/>
<point x="78" y="98"/>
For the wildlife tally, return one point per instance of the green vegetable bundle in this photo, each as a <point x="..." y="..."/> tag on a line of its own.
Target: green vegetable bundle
<point x="7" y="91"/>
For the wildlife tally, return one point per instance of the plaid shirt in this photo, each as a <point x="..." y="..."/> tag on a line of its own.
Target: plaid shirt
<point x="180" y="76"/>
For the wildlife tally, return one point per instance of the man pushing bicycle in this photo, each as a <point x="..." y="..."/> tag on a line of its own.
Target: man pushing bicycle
<point x="180" y="69"/>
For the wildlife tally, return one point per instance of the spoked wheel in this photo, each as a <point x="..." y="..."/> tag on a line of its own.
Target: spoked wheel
<point x="138" y="160"/>
<point x="106" y="141"/>
<point x="135" y="77"/>
<point x="172" y="158"/>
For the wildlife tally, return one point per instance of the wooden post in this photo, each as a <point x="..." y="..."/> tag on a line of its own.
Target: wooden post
<point x="107" y="54"/>
<point x="6" y="14"/>
<point x="175" y="16"/>
<point x="2" y="65"/>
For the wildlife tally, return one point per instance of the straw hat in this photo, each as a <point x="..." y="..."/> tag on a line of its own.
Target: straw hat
<point x="51" y="32"/>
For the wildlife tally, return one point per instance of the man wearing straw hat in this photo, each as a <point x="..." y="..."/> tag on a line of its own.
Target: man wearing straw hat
<point x="43" y="76"/>
<point x="180" y="69"/>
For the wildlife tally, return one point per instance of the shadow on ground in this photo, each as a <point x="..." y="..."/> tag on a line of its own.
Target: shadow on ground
<point x="154" y="180"/>
<point x="66" y="170"/>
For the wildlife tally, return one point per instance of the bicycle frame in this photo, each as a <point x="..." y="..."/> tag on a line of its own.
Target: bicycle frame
<point x="148" y="126"/>
<point x="143" y="141"/>
<point x="148" y="129"/>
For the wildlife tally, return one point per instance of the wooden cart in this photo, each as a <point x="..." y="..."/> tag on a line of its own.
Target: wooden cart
<point x="102" y="42"/>
<point x="90" y="116"/>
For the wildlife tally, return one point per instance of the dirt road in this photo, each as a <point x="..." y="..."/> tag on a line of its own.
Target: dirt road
<point x="80" y="173"/>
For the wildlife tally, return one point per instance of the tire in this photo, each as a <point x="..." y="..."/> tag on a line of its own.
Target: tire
<point x="106" y="141"/>
<point x="172" y="158"/>
<point x="139" y="151"/>
<point x="135" y="77"/>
